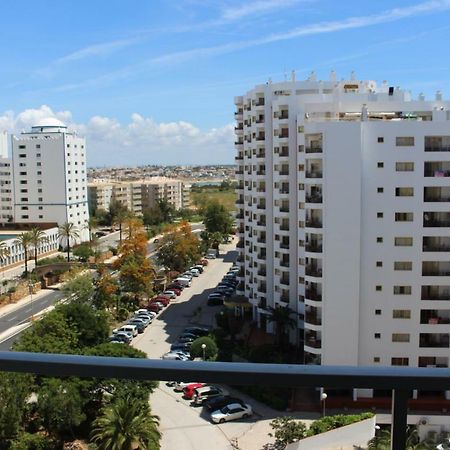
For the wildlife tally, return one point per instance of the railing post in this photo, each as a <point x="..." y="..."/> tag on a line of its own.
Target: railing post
<point x="399" y="418"/>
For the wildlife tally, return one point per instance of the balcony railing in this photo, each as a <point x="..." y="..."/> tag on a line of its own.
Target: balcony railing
<point x="401" y="380"/>
<point x="284" y="245"/>
<point x="261" y="223"/>
<point x="314" y="343"/>
<point x="435" y="272"/>
<point x="261" y="155"/>
<point x="261" y="172"/>
<point x="436" y="223"/>
<point x="440" y="148"/>
<point x="437" y="173"/>
<point x="313" y="247"/>
<point x="262" y="272"/>
<point x="284" y="263"/>
<point x="313" y="295"/>
<point x="262" y="289"/>
<point x="260" y="137"/>
<point x="284" y="191"/>
<point x="313" y="174"/>
<point x="284" y="209"/>
<point x="262" y="206"/>
<point x="284" y="227"/>
<point x="436" y="198"/>
<point x="313" y="149"/>
<point x="283" y="153"/>
<point x="313" y="318"/>
<point x="261" y="256"/>
<point x="313" y="271"/>
<point x="316" y="198"/>
<point x="284" y="172"/>
<point x="313" y="223"/>
<point x="434" y="343"/>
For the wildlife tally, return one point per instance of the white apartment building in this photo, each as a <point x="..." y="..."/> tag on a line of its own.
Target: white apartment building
<point x="49" y="176"/>
<point x="344" y="216"/>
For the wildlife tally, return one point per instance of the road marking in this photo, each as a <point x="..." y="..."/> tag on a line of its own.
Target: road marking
<point x="12" y="318"/>
<point x="29" y="309"/>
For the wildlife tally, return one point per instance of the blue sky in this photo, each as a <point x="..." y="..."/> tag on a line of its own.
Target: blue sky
<point x="151" y="81"/>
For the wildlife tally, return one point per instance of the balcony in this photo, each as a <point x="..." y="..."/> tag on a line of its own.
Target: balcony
<point x="285" y="263"/>
<point x="284" y="209"/>
<point x="284" y="281"/>
<point x="313" y="294"/>
<point x="436" y="244"/>
<point x="313" y="198"/>
<point x="239" y="158"/>
<point x="261" y="137"/>
<point x="313" y="318"/>
<point x="284" y="172"/>
<point x="284" y="244"/>
<point x="239" y="142"/>
<point x="436" y="219"/>
<point x="435" y="293"/>
<point x="313" y="223"/>
<point x="434" y="317"/>
<point x="259" y="101"/>
<point x="436" y="194"/>
<point x="434" y="340"/>
<point x="261" y="206"/>
<point x="262" y="288"/>
<point x="346" y="377"/>
<point x="437" y="148"/>
<point x="313" y="247"/>
<point x="313" y="342"/>
<point x="313" y="271"/>
<point x="435" y="268"/>
<point x="437" y="169"/>
<point x="313" y="149"/>
<point x="261" y="256"/>
<point x="261" y="155"/>
<point x="284" y="152"/>
<point x="313" y="174"/>
<point x="284" y="227"/>
<point x="262" y="272"/>
<point x="261" y="172"/>
<point x="261" y="223"/>
<point x="261" y="240"/>
<point x="284" y="298"/>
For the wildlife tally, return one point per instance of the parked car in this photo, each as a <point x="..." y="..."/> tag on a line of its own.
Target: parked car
<point x="188" y="391"/>
<point x="188" y="335"/>
<point x="183" y="346"/>
<point x="215" y="403"/>
<point x="228" y="292"/>
<point x="121" y="336"/>
<point x="153" y="307"/>
<point x="199" y="267"/>
<point x="162" y="299"/>
<point x="144" y="317"/>
<point x="204" y="262"/>
<point x="195" y="272"/>
<point x="145" y="311"/>
<point x="174" y="357"/>
<point x="176" y="290"/>
<point x="199" y="331"/>
<point x="206" y="392"/>
<point x="138" y="324"/>
<point x="182" y="353"/>
<point x="210" y="256"/>
<point x="180" y="385"/>
<point x="170" y="294"/>
<point x="187" y="275"/>
<point x="186" y="339"/>
<point x="232" y="411"/>
<point x="114" y="340"/>
<point x="128" y="328"/>
<point x="184" y="281"/>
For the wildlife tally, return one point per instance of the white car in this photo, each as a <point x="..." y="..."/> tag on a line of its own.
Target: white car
<point x="174" y="356"/>
<point x="127" y="328"/>
<point x="145" y="311"/>
<point x="170" y="294"/>
<point x="231" y="412"/>
<point x="195" y="272"/>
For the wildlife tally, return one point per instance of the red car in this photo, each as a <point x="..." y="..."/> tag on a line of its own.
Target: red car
<point x="177" y="291"/>
<point x="204" y="262"/>
<point x="174" y="286"/>
<point x="160" y="298"/>
<point x="153" y="307"/>
<point x="188" y="391"/>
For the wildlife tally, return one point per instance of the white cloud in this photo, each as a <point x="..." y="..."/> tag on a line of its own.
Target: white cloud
<point x="255" y="7"/>
<point x="140" y="141"/>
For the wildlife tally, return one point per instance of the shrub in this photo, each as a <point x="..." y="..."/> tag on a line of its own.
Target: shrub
<point x="211" y="349"/>
<point x="27" y="441"/>
<point x="83" y="251"/>
<point x="328" y="423"/>
<point x="287" y="430"/>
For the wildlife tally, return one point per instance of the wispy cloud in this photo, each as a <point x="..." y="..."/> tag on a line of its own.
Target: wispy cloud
<point x="255" y="7"/>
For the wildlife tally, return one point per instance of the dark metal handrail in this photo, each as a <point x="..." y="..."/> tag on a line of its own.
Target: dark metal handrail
<point x="402" y="380"/>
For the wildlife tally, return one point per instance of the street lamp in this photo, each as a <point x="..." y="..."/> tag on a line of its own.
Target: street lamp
<point x="204" y="352"/>
<point x="377" y="429"/>
<point x="323" y="397"/>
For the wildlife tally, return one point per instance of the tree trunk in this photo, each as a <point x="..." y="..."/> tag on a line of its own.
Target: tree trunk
<point x="35" y="256"/>
<point x="120" y="233"/>
<point x="25" y="253"/>
<point x="68" y="250"/>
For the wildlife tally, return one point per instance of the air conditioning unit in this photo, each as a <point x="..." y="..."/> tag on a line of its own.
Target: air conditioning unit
<point x="423" y="421"/>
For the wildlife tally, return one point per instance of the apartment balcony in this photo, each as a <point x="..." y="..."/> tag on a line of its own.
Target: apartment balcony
<point x="261" y="206"/>
<point x="283" y="115"/>
<point x="313" y="318"/>
<point x="262" y="272"/>
<point x="313" y="294"/>
<point x="261" y="240"/>
<point x="261" y="172"/>
<point x="261" y="256"/>
<point x="284" y="172"/>
<point x="239" y="201"/>
<point x="261" y="223"/>
<point x="433" y="361"/>
<point x="434" y="340"/>
<point x="313" y="198"/>
<point x="240" y="186"/>
<point x="313" y="174"/>
<point x="239" y="158"/>
<point x="239" y="172"/>
<point x="262" y="289"/>
<point x="317" y="149"/>
<point x="313" y="223"/>
<point x="240" y="216"/>
<point x="284" y="191"/>
<point x="313" y="271"/>
<point x="285" y="245"/>
<point x="313" y="342"/>
<point x="284" y="152"/>
<point x="436" y="244"/>
<point x="284" y="227"/>
<point x="436" y="194"/>
<point x="439" y="293"/>
<point x="313" y="247"/>
<point x="284" y="209"/>
<point x="284" y="262"/>
<point x="259" y="119"/>
<point x="239" y="142"/>
<point x="436" y="268"/>
<point x="437" y="148"/>
<point x="435" y="317"/>
<point x="437" y="169"/>
<point x="238" y="115"/>
<point x="284" y="298"/>
<point x="261" y="137"/>
<point x="261" y="155"/>
<point x="259" y="101"/>
<point x="284" y="281"/>
<point x="436" y="219"/>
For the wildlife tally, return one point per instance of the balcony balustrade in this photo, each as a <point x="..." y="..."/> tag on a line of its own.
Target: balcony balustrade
<point x="313" y="342"/>
<point x="313" y="318"/>
<point x="345" y="377"/>
<point x="262" y="288"/>
<point x="259" y="101"/>
<point x="284" y="245"/>
<point x="262" y="272"/>
<point x="261" y="155"/>
<point x="314" y="198"/>
<point x="283" y="115"/>
<point x="434" y="341"/>
<point x="284" y="298"/>
<point x="261" y="223"/>
<point x="284" y="153"/>
<point x="313" y="247"/>
<point x="261" y="137"/>
<point x="284" y="172"/>
<point x="313" y="223"/>
<point x="437" y="148"/>
<point x="261" y="256"/>
<point x="313" y="149"/>
<point x="284" y="227"/>
<point x="284" y="263"/>
<point x="261" y="172"/>
<point x="284" y="281"/>
<point x="313" y="271"/>
<point x="313" y="174"/>
<point x="312" y="294"/>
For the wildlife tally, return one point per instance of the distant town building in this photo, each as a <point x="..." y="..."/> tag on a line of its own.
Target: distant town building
<point x="344" y="217"/>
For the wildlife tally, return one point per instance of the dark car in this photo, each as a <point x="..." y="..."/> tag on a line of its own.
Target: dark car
<point x="198" y="331"/>
<point x="219" y="402"/>
<point x="139" y="325"/>
<point x="180" y="346"/>
<point x="215" y="300"/>
<point x="178" y="286"/>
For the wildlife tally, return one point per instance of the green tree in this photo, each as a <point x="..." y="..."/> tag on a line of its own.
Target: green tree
<point x="38" y="237"/>
<point x="282" y="317"/>
<point x="68" y="231"/>
<point x="14" y="391"/>
<point x="217" y="219"/>
<point x="106" y="291"/>
<point x="126" y="425"/>
<point x="210" y="349"/>
<point x="382" y="440"/>
<point x="167" y="210"/>
<point x="25" y="240"/>
<point x="32" y="441"/>
<point x="80" y="287"/>
<point x="83" y="252"/>
<point x="90" y="225"/>
<point x="287" y="430"/>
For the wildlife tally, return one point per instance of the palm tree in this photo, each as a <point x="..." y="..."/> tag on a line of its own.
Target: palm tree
<point x="119" y="219"/>
<point x="283" y="320"/>
<point x="68" y="231"/>
<point x="382" y="440"/>
<point x="4" y="251"/>
<point x="25" y="240"/>
<point x="126" y="425"/>
<point x="90" y="225"/>
<point x="38" y="237"/>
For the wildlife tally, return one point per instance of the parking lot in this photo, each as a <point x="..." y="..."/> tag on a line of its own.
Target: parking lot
<point x="185" y="427"/>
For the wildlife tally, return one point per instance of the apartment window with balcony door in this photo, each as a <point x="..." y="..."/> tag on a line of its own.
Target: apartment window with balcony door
<point x="400" y="337"/>
<point x="401" y="314"/>
<point x="399" y="361"/>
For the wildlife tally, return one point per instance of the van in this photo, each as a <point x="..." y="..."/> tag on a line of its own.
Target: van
<point x="184" y="281"/>
<point x="129" y="328"/>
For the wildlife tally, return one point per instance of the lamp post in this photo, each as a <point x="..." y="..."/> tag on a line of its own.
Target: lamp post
<point x="377" y="429"/>
<point x="323" y="397"/>
<point x="204" y="352"/>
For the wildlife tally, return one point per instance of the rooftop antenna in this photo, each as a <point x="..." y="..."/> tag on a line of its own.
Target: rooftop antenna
<point x="293" y="76"/>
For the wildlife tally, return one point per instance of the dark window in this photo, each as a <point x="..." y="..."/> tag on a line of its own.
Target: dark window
<point x="380" y="140"/>
<point x="380" y="165"/>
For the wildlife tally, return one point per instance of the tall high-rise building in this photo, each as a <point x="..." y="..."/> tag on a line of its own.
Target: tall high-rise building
<point x="49" y="176"/>
<point x="344" y="217"/>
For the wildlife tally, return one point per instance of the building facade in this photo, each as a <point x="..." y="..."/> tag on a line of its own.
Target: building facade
<point x="48" y="169"/>
<point x="344" y="216"/>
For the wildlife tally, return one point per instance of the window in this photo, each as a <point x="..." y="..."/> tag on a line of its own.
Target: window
<point x="377" y="335"/>
<point x="41" y="216"/>
<point x="379" y="215"/>
<point x="378" y="288"/>
<point x="380" y="165"/>
<point x="38" y="155"/>
<point x="24" y="199"/>
<point x="24" y="191"/>
<point x="404" y="191"/>
<point x="376" y="359"/>
<point x="400" y="337"/>
<point x="39" y="181"/>
<point x="379" y="240"/>
<point x="38" y="146"/>
<point x="404" y="141"/>
<point x="39" y="172"/>
<point x="399" y="361"/>
<point x="404" y="166"/>
<point x="22" y="146"/>
<point x="378" y="312"/>
<point x="380" y="190"/>
<point x="403" y="265"/>
<point x="403" y="241"/>
<point x="401" y="314"/>
<point x="379" y="263"/>
<point x="22" y="155"/>
<point x="24" y="208"/>
<point x="404" y="217"/>
<point x="39" y="164"/>
<point x="23" y="182"/>
<point x="24" y="174"/>
<point x="380" y="140"/>
<point x="402" y="290"/>
<point x="24" y="216"/>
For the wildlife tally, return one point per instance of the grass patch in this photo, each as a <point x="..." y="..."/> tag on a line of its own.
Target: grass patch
<point x="203" y="195"/>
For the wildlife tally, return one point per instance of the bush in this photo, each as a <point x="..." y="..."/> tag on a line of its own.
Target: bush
<point x="27" y="441"/>
<point x="211" y="349"/>
<point x="83" y="251"/>
<point x="287" y="430"/>
<point x="328" y="423"/>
